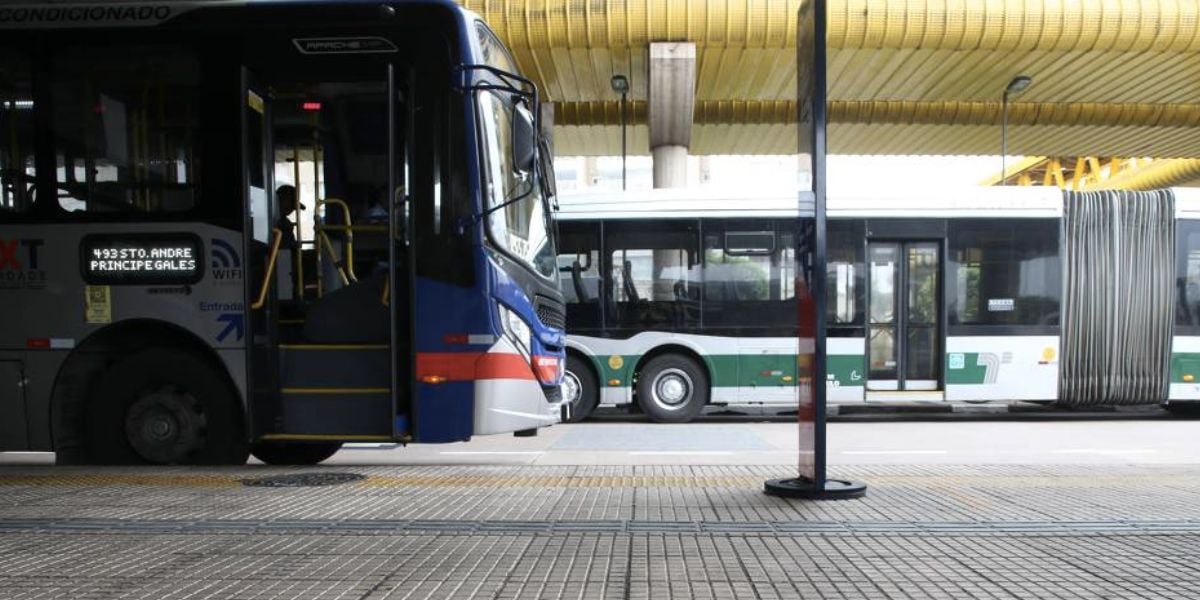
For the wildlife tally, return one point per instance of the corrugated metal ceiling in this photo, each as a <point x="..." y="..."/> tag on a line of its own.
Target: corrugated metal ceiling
<point x="1103" y="59"/>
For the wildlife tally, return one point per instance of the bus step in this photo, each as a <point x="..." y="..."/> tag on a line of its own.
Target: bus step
<point x="349" y="366"/>
<point x="331" y="410"/>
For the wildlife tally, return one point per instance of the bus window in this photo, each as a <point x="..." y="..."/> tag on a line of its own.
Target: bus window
<point x="579" y="276"/>
<point x="1187" y="307"/>
<point x="521" y="228"/>
<point x="16" y="133"/>
<point x="844" y="274"/>
<point x="1004" y="272"/>
<point x="656" y="274"/>
<point x="748" y="275"/>
<point x="126" y="129"/>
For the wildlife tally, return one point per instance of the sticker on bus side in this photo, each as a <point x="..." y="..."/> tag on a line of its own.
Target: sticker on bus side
<point x="98" y="303"/>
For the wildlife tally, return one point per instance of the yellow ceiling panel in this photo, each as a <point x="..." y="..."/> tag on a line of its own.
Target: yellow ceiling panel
<point x="1082" y="54"/>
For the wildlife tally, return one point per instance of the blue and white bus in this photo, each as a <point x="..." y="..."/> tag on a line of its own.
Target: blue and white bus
<point x="269" y="228"/>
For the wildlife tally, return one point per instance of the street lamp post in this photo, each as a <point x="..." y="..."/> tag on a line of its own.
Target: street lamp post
<point x="620" y="85"/>
<point x="1018" y="84"/>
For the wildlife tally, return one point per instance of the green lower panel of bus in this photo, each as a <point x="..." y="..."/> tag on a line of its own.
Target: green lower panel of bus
<point x="1185" y="367"/>
<point x="726" y="370"/>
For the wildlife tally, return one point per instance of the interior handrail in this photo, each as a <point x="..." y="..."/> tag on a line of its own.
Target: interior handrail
<point x="328" y="246"/>
<point x="277" y="237"/>
<point x="347" y="227"/>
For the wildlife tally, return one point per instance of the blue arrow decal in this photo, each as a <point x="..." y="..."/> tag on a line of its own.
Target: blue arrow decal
<point x="234" y="323"/>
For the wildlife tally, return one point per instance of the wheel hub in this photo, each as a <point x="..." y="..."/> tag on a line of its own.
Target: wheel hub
<point x="672" y="389"/>
<point x="165" y="426"/>
<point x="572" y="389"/>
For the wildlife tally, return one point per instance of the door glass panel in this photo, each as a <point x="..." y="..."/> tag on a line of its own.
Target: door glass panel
<point x="922" y="284"/>
<point x="883" y="282"/>
<point x="883" y="353"/>
<point x="921" y="354"/>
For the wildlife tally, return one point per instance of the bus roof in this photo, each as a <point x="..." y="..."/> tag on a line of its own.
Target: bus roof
<point x="1004" y="202"/>
<point x="71" y="14"/>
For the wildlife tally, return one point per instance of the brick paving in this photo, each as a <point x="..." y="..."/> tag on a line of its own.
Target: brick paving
<point x="600" y="532"/>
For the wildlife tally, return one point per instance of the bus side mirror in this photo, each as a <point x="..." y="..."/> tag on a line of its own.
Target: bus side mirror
<point x="524" y="139"/>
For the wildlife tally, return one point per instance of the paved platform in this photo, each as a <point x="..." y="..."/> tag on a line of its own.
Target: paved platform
<point x="599" y="532"/>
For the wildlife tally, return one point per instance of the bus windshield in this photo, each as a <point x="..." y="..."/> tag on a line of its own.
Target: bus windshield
<point x="522" y="227"/>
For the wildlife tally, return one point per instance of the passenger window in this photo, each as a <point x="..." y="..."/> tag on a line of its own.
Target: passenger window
<point x="127" y="133"/>
<point x="579" y="276"/>
<point x="749" y="274"/>
<point x="1004" y="272"/>
<point x="16" y="133"/>
<point x="844" y="274"/>
<point x="1187" y="312"/>
<point x="656" y="274"/>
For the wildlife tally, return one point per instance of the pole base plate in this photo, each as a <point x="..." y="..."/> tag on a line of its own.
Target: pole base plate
<point x="834" y="489"/>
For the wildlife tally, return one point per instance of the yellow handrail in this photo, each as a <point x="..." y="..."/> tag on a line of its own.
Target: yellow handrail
<point x="347" y="229"/>
<point x="329" y="248"/>
<point x="266" y="284"/>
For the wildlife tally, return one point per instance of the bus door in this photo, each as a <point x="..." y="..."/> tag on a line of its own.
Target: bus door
<point x="904" y="314"/>
<point x="256" y="326"/>
<point x="340" y="341"/>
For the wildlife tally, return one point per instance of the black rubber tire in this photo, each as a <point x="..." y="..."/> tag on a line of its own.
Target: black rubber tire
<point x="689" y="406"/>
<point x="294" y="453"/>
<point x="589" y="389"/>
<point x="214" y="416"/>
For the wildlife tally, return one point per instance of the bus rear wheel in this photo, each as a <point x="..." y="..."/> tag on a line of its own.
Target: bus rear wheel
<point x="672" y="389"/>
<point x="579" y="389"/>
<point x="294" y="453"/>
<point x="164" y="406"/>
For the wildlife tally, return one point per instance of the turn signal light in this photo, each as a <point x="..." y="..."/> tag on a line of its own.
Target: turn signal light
<point x="433" y="379"/>
<point x="546" y="368"/>
<point x="614" y="382"/>
<point x="1189" y="378"/>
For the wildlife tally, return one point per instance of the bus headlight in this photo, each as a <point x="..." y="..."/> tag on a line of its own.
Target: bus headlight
<point x="517" y="330"/>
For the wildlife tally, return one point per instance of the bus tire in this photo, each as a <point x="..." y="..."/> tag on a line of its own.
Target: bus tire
<point x="672" y="389"/>
<point x="294" y="453"/>
<point x="165" y="406"/>
<point x="580" y="389"/>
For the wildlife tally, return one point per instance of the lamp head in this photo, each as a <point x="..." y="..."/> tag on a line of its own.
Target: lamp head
<point x="1018" y="84"/>
<point x="620" y="84"/>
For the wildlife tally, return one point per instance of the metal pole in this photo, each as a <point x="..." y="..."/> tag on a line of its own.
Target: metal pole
<point x="1004" y="138"/>
<point x="623" y="95"/>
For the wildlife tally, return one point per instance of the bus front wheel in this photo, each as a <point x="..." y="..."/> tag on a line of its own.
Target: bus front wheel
<point x="672" y="389"/>
<point x="164" y="406"/>
<point x="294" y="453"/>
<point x="580" y="390"/>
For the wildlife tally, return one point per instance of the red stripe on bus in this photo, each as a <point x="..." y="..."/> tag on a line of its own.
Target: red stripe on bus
<point x="470" y="366"/>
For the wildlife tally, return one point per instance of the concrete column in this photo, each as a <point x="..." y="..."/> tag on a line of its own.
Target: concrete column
<point x="672" y="99"/>
<point x="670" y="166"/>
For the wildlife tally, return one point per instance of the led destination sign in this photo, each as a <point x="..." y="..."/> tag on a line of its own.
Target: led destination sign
<point x="141" y="259"/>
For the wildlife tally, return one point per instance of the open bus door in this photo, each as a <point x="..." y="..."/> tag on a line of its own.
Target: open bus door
<point x="255" y="326"/>
<point x="401" y="259"/>
<point x="340" y="360"/>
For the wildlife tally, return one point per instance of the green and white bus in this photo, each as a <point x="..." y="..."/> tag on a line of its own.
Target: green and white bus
<point x="678" y="302"/>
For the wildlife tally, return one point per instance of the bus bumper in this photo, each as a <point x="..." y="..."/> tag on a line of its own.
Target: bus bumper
<point x="508" y="405"/>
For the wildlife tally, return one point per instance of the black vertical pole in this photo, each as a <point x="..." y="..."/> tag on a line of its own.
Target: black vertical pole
<point x="1004" y="138"/>
<point x="811" y="481"/>
<point x="623" y="122"/>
